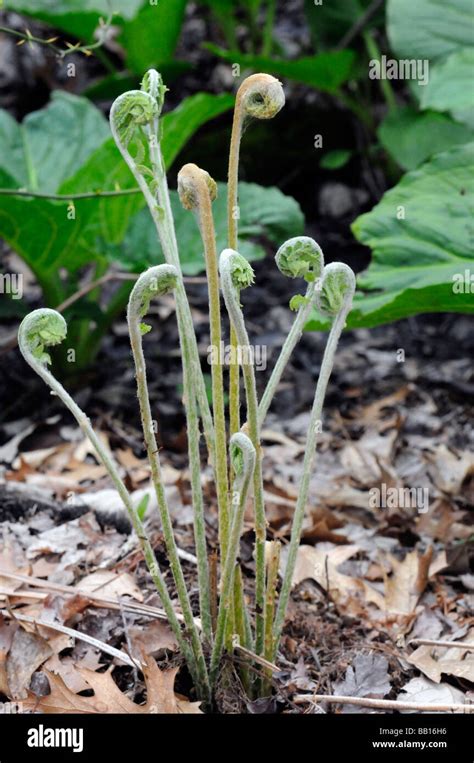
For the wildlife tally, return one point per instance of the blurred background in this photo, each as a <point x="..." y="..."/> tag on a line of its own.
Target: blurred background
<point x="352" y="160"/>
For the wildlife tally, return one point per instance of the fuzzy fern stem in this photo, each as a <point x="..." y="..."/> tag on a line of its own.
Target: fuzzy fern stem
<point x="243" y="456"/>
<point x="236" y="273"/>
<point x="135" y="115"/>
<point x="158" y="281"/>
<point x="260" y="96"/>
<point x="45" y="328"/>
<point x="333" y="299"/>
<point x="299" y="257"/>
<point x="197" y="190"/>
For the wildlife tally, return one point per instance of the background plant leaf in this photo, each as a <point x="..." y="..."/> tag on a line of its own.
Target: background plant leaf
<point x="326" y="71"/>
<point x="50" y="144"/>
<point x="330" y="21"/>
<point x="78" y="17"/>
<point x="150" y="38"/>
<point x="411" y="136"/>
<point x="451" y="86"/>
<point x="415" y="260"/>
<point x="428" y="28"/>
<point x="265" y="213"/>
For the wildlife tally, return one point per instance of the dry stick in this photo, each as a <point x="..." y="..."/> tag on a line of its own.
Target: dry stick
<point x="430" y="642"/>
<point x="197" y="190"/>
<point x="260" y="96"/>
<point x="158" y="281"/>
<point x="269" y="666"/>
<point x="95" y="600"/>
<point x="131" y="112"/>
<point x="117" y="653"/>
<point x="236" y="273"/>
<point x="45" y="328"/>
<point x="382" y="704"/>
<point x="335" y="298"/>
<point x="243" y="457"/>
<point x="299" y="257"/>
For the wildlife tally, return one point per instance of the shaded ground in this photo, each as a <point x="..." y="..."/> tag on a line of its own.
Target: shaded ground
<point x="398" y="423"/>
<point x="371" y="579"/>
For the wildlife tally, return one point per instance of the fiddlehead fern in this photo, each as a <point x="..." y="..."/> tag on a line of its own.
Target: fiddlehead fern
<point x="335" y="299"/>
<point x="236" y="273"/>
<point x="136" y="113"/>
<point x="158" y="281"/>
<point x="243" y="457"/>
<point x="197" y="190"/>
<point x="260" y="96"/>
<point x="299" y="257"/>
<point x="47" y="328"/>
<point x="131" y="111"/>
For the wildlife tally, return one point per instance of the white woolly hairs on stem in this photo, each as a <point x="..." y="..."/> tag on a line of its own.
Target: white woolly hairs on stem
<point x="260" y="96"/>
<point x="46" y="328"/>
<point x="334" y="299"/>
<point x="142" y="109"/>
<point x="158" y="281"/>
<point x="243" y="456"/>
<point x="236" y="273"/>
<point x="299" y="257"/>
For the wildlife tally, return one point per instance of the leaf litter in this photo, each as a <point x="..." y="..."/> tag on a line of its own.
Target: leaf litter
<point x="368" y="580"/>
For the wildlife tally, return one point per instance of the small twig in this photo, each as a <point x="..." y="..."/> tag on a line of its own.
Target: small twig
<point x="448" y="644"/>
<point x="254" y="657"/>
<point x="117" y="653"/>
<point x="95" y="600"/>
<point x="27" y="37"/>
<point x="359" y="25"/>
<point x="127" y="638"/>
<point x="383" y="704"/>
<point x="88" y="287"/>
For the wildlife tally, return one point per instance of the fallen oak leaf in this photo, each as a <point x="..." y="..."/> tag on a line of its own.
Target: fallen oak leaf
<point x="109" y="699"/>
<point x="321" y="565"/>
<point x="434" y="661"/>
<point x="27" y="652"/>
<point x="407" y="583"/>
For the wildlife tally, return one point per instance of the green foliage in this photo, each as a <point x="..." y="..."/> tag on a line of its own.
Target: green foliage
<point x="150" y="38"/>
<point x="51" y="144"/>
<point x="78" y="17"/>
<point x="429" y="28"/>
<point x="451" y="86"/>
<point x="330" y="21"/>
<point x="411" y="136"/>
<point x="336" y="159"/>
<point x="265" y="214"/>
<point x="421" y="262"/>
<point x="327" y="71"/>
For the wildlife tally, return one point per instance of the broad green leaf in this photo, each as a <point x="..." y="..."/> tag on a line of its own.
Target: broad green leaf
<point x="50" y="144"/>
<point x="106" y="170"/>
<point x="425" y="252"/>
<point x="47" y="239"/>
<point x="78" y="17"/>
<point x="451" y="86"/>
<point x="429" y="28"/>
<point x="411" y="137"/>
<point x="151" y="37"/>
<point x="334" y="160"/>
<point x="327" y="71"/>
<point x="39" y="230"/>
<point x="180" y="124"/>
<point x="265" y="213"/>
